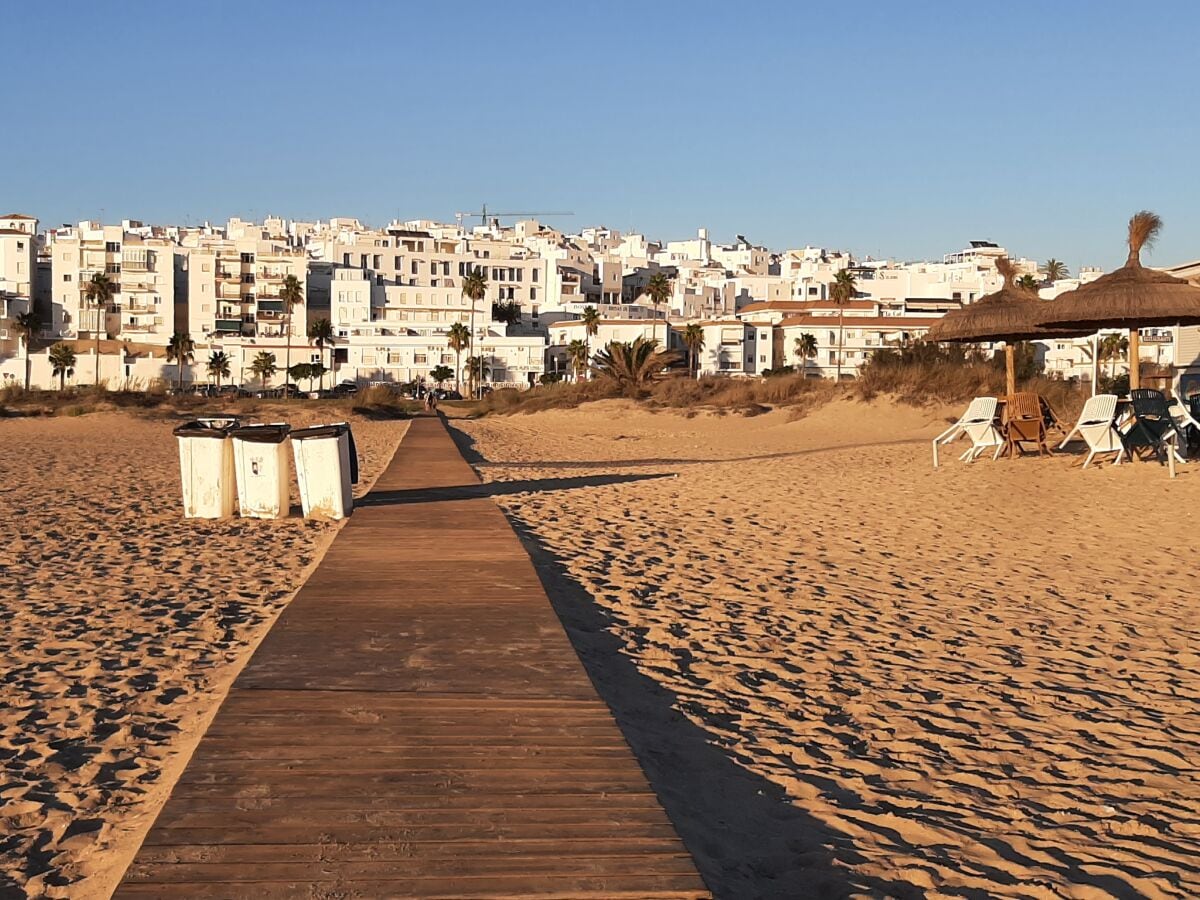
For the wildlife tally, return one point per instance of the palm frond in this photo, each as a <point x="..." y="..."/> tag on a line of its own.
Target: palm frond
<point x="1144" y="227"/>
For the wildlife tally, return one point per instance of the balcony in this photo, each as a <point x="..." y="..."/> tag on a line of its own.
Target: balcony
<point x="228" y="326"/>
<point x="140" y="308"/>
<point x="135" y="265"/>
<point x="270" y="306"/>
<point x="224" y="275"/>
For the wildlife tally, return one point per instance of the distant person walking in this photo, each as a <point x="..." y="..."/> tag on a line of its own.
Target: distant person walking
<point x="430" y="402"/>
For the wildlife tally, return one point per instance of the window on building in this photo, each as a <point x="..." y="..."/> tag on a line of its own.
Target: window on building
<point x="414" y="267"/>
<point x="533" y="292"/>
<point x="419" y="359"/>
<point x="535" y="276"/>
<point x="247" y="257"/>
<point x="398" y="263"/>
<point x="112" y="247"/>
<point x="66" y="278"/>
<point x="378" y="261"/>
<point x="345" y="259"/>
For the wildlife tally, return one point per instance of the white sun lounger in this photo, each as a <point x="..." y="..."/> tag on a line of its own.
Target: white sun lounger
<point x="1097" y="427"/>
<point x="978" y="424"/>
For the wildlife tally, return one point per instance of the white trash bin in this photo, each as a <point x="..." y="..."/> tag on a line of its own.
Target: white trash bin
<point x="260" y="454"/>
<point x="326" y="467"/>
<point x="206" y="471"/>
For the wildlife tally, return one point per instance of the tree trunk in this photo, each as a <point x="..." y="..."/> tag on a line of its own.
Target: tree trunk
<point x="27" y="363"/>
<point x="1010" y="369"/>
<point x="287" y="360"/>
<point x="99" y="319"/>
<point x="471" y="344"/>
<point x="1135" y="359"/>
<point x="457" y="370"/>
<point x="841" y="333"/>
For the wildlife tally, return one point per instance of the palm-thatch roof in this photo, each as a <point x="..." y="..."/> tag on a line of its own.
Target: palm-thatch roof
<point x="1130" y="297"/>
<point x="1009" y="314"/>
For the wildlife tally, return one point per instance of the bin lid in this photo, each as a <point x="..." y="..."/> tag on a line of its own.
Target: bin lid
<point x="275" y="433"/>
<point x="335" y="429"/>
<point x="200" y="429"/>
<point x="220" y="421"/>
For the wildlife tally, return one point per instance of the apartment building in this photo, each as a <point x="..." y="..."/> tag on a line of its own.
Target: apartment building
<point x="861" y="336"/>
<point x="18" y="277"/>
<point x="141" y="268"/>
<point x="234" y="289"/>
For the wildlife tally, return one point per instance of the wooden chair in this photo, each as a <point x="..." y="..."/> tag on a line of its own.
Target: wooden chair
<point x="1024" y="423"/>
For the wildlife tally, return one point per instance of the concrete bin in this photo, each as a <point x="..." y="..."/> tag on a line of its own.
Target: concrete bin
<point x="260" y="454"/>
<point x="206" y="471"/>
<point x="326" y="468"/>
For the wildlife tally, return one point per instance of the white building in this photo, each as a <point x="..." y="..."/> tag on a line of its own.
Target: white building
<point x="141" y="268"/>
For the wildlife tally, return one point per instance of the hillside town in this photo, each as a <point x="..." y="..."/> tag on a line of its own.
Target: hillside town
<point x="363" y="305"/>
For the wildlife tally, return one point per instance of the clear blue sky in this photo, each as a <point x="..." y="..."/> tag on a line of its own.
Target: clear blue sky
<point x="896" y="129"/>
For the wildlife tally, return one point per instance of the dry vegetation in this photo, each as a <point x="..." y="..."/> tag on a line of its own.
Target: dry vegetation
<point x="920" y="380"/>
<point x="747" y="396"/>
<point x="372" y="403"/>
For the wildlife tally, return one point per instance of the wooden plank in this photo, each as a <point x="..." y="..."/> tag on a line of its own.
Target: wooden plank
<point x="415" y="724"/>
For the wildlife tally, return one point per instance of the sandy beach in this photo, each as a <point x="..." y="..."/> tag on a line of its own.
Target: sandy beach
<point x="849" y="674"/>
<point x="123" y="625"/>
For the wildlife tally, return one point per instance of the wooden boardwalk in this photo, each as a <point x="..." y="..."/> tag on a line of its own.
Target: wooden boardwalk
<point x="415" y="724"/>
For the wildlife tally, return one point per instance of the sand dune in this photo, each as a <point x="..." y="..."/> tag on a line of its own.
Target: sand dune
<point x="847" y="673"/>
<point x="122" y="624"/>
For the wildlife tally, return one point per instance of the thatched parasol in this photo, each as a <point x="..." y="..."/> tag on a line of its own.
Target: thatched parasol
<point x="1131" y="297"/>
<point x="1010" y="314"/>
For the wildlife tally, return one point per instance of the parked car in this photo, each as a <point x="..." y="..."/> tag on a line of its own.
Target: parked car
<point x="232" y="390"/>
<point x="345" y="389"/>
<point x="443" y="394"/>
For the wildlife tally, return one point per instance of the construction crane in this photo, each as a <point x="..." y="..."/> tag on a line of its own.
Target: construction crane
<point x="484" y="215"/>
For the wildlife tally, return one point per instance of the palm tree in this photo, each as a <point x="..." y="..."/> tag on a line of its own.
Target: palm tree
<point x="218" y="366"/>
<point x="477" y="368"/>
<point x="25" y="325"/>
<point x="474" y="288"/>
<point x="263" y="366"/>
<point x="693" y="339"/>
<point x="1056" y="270"/>
<point x="632" y="366"/>
<point x="320" y="333"/>
<point x="577" y="353"/>
<point x="1112" y="348"/>
<point x="1028" y="283"/>
<point x="292" y="295"/>
<point x="458" y="338"/>
<point x="806" y="349"/>
<point x="842" y="291"/>
<point x="591" y="325"/>
<point x="99" y="292"/>
<point x="180" y="349"/>
<point x="659" y="290"/>
<point x="62" y="363"/>
<point x="506" y="311"/>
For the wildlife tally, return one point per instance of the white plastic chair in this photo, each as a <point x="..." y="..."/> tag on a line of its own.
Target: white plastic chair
<point x="1098" y="428"/>
<point x="1184" y="420"/>
<point x="978" y="424"/>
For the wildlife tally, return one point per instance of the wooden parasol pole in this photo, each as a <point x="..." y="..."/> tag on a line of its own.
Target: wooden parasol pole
<point x="1135" y="360"/>
<point x="1010" y="367"/>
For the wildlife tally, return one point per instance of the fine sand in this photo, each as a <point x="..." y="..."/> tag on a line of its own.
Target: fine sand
<point x="122" y="626"/>
<point x="846" y="673"/>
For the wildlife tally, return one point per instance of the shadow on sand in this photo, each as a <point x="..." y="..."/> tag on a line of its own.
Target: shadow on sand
<point x="495" y="488"/>
<point x="748" y="839"/>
